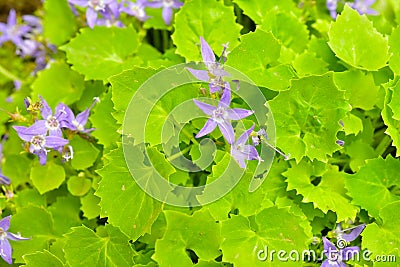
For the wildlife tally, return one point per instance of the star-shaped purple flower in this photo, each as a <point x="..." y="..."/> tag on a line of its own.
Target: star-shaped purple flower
<point x="77" y="123"/>
<point x="221" y="116"/>
<point x="11" y="31"/>
<point x="96" y="7"/>
<point x="5" y="247"/>
<point x="136" y="9"/>
<point x="38" y="141"/>
<point x="215" y="69"/>
<point x="51" y="122"/>
<point x="335" y="257"/>
<point x="241" y="152"/>
<point x="167" y="6"/>
<point x="364" y="7"/>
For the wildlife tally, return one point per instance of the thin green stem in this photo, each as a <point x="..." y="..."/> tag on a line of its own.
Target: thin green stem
<point x="8" y="74"/>
<point x="165" y="40"/>
<point x="180" y="153"/>
<point x="383" y="145"/>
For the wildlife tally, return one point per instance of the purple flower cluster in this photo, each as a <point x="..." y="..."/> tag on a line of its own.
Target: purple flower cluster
<point x="5" y="247"/>
<point x="335" y="256"/>
<point x="222" y="115"/>
<point x="47" y="132"/>
<point x="25" y="36"/>
<point x="362" y="7"/>
<point x="107" y="12"/>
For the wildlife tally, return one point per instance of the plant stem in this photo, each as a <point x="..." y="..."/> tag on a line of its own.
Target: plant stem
<point x="383" y="145"/>
<point x="8" y="74"/>
<point x="180" y="153"/>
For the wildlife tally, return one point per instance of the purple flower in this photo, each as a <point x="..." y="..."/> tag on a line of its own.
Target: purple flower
<point x="352" y="235"/>
<point x="336" y="257"/>
<point x="364" y="7"/>
<point x="78" y="123"/>
<point x="221" y="116"/>
<point x="259" y="137"/>
<point x="167" y="6"/>
<point x="3" y="179"/>
<point x="35" y="135"/>
<point x="51" y="122"/>
<point x="215" y="70"/>
<point x="340" y="142"/>
<point x="5" y="247"/>
<point x="136" y="9"/>
<point x="11" y="31"/>
<point x="241" y="152"/>
<point x="331" y="5"/>
<point x="96" y="8"/>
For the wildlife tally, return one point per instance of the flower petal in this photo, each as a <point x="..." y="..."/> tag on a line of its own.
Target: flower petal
<point x="202" y="75"/>
<point x="326" y="263"/>
<point x="5" y="223"/>
<point x="208" y="128"/>
<point x="167" y="15"/>
<point x="55" y="141"/>
<point x="353" y="234"/>
<point x="227" y="131"/>
<point x="5" y="250"/>
<point x="250" y="152"/>
<point x="243" y="138"/>
<point x="15" y="237"/>
<point x="239" y="113"/>
<point x="12" y="18"/>
<point x="226" y="97"/>
<point x="206" y="52"/>
<point x="46" y="110"/>
<point x="329" y="247"/>
<point x="4" y="179"/>
<point x="206" y="108"/>
<point x="91" y="17"/>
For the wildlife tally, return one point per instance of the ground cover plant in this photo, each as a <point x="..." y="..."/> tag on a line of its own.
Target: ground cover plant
<point x="200" y="133"/>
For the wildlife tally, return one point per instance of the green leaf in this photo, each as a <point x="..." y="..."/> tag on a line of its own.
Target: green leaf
<point x="85" y="153"/>
<point x="307" y="117"/>
<point x="394" y="49"/>
<point x="106" y="127"/>
<point x="360" y="88"/>
<point x="354" y="40"/>
<point x="208" y="19"/>
<point x="188" y="232"/>
<point x="42" y="258"/>
<point x="78" y="186"/>
<point x="287" y="28"/>
<point x="257" y="56"/>
<point x="370" y="187"/>
<point x="102" y="52"/>
<point x="258" y="10"/>
<point x="17" y="168"/>
<point x="33" y="222"/>
<point x="393" y="125"/>
<point x="30" y="197"/>
<point x="125" y="86"/>
<point x="383" y="239"/>
<point x="329" y="194"/>
<point x="48" y="177"/>
<point x="59" y="23"/>
<point x="272" y="228"/>
<point x="90" y="205"/>
<point x="359" y="152"/>
<point x="65" y="213"/>
<point x="58" y="77"/>
<point x="308" y="63"/>
<point x="125" y="204"/>
<point x="86" y="248"/>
